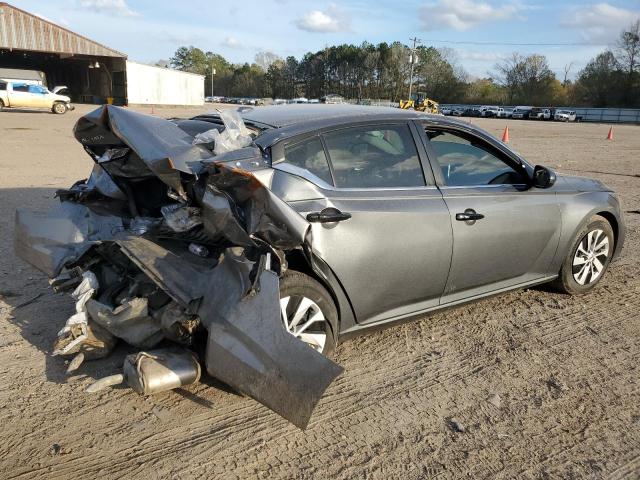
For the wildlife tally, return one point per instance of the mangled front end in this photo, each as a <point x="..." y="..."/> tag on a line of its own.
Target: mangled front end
<point x="165" y="242"/>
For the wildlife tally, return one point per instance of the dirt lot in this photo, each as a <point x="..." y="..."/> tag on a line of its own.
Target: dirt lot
<point x="545" y="386"/>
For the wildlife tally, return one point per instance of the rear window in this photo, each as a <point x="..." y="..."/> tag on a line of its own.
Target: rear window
<point x="374" y="157"/>
<point x="310" y="156"/>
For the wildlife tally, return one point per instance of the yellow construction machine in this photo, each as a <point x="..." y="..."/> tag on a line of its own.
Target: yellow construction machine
<point x="421" y="104"/>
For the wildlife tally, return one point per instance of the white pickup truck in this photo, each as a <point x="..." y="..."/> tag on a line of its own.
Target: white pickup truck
<point x="24" y="95"/>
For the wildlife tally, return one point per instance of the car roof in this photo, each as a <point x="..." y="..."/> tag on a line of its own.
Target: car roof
<point x="285" y="115"/>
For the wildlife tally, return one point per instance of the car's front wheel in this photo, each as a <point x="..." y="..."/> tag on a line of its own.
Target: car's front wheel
<point x="308" y="311"/>
<point x="59" y="108"/>
<point x="588" y="258"/>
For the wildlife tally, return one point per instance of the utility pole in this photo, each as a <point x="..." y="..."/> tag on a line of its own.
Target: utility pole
<point x="213" y="72"/>
<point x="412" y="60"/>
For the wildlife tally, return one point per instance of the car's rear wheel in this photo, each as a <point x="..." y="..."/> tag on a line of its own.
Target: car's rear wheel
<point x="59" y="108"/>
<point x="1" y="105"/>
<point x="308" y="311"/>
<point x="588" y="258"/>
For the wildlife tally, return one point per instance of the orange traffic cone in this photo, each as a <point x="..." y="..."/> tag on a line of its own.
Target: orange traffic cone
<point x="610" y="134"/>
<point x="505" y="135"/>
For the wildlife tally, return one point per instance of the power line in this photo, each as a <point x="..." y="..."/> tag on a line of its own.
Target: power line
<point x="513" y="44"/>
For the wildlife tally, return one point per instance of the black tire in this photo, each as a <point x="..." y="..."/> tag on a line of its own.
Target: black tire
<point x="296" y="284"/>
<point x="1" y="105"/>
<point x="59" y="108"/>
<point x="566" y="282"/>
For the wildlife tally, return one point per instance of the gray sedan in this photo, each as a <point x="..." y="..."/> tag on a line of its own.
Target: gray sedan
<point x="413" y="213"/>
<point x="323" y="219"/>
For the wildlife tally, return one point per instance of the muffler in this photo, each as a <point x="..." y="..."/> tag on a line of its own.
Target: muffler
<point x="154" y="371"/>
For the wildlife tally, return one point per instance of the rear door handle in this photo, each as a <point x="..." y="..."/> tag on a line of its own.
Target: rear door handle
<point x="328" y="215"/>
<point x="469" y="215"/>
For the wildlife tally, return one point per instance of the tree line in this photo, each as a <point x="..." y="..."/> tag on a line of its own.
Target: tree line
<point x="383" y="71"/>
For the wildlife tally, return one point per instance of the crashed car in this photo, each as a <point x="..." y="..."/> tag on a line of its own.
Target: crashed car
<point x="254" y="241"/>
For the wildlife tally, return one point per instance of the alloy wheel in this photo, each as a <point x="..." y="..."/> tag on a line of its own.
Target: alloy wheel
<point x="590" y="257"/>
<point x="303" y="319"/>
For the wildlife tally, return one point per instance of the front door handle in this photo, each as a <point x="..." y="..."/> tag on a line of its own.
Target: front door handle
<point x="327" y="215"/>
<point x="469" y="215"/>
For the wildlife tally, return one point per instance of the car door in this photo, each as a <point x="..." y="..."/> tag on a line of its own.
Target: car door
<point x="39" y="96"/>
<point x="504" y="232"/>
<point x="392" y="253"/>
<point x="19" y="96"/>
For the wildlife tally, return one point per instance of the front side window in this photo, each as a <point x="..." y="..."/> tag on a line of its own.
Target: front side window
<point x="36" y="89"/>
<point x="468" y="161"/>
<point x="374" y="157"/>
<point x="309" y="155"/>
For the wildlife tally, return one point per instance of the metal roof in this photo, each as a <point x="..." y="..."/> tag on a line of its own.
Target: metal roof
<point x="20" y="30"/>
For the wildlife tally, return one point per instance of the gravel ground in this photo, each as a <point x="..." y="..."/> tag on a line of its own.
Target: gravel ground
<point x="530" y="384"/>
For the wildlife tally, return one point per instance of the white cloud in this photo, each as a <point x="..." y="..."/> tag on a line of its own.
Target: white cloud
<point x="116" y="8"/>
<point x="231" y="42"/>
<point x="332" y="20"/>
<point x="479" y="56"/>
<point x="464" y="14"/>
<point x="601" y="22"/>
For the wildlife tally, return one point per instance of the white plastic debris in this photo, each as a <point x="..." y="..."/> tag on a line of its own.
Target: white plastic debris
<point x="234" y="136"/>
<point x="76" y="327"/>
<point x="85" y="290"/>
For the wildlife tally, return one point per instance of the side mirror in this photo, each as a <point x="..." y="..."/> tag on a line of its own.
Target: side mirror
<point x="543" y="177"/>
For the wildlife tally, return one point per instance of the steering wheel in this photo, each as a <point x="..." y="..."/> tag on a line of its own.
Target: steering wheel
<point x="505" y="178"/>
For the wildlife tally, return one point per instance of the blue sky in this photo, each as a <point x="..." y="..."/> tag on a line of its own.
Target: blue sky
<point x="476" y="30"/>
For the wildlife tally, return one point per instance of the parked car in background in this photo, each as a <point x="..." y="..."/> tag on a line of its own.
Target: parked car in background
<point x="539" y="113"/>
<point x="565" y="116"/>
<point x="471" y="112"/>
<point x="489" y="111"/>
<point x="332" y="98"/>
<point x="457" y="112"/>
<point x="505" y="112"/>
<point x="521" y="113"/>
<point x="535" y="113"/>
<point x="24" y="95"/>
<point x="446" y="110"/>
<point x="548" y="113"/>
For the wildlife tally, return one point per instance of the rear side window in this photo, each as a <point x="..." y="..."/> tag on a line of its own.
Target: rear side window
<point x="310" y="156"/>
<point x="374" y="157"/>
<point x="3" y="86"/>
<point x="20" y="87"/>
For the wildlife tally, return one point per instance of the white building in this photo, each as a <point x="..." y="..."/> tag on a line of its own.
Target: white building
<point x="149" y="85"/>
